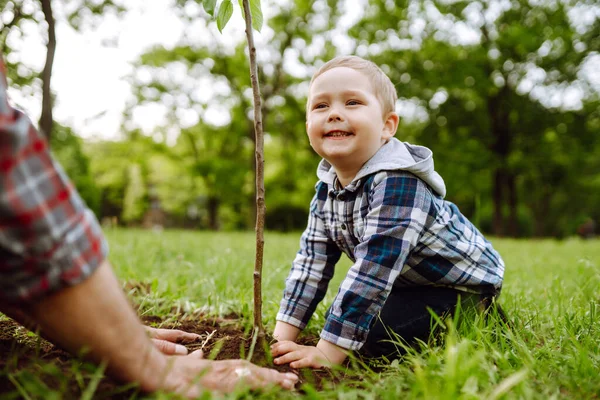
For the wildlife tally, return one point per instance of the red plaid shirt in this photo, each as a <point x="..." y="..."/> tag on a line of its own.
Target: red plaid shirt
<point x="49" y="239"/>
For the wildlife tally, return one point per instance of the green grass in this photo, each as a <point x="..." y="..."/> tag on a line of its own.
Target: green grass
<point x="551" y="293"/>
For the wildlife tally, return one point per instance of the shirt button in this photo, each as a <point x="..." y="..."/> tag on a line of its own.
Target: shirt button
<point x="342" y="197"/>
<point x="343" y="226"/>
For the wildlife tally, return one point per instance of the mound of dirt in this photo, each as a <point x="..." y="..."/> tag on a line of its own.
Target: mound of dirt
<point x="24" y="354"/>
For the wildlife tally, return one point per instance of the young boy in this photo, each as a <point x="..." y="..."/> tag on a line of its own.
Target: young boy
<point x="380" y="202"/>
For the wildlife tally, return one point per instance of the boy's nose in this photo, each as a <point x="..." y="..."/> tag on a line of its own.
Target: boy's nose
<point x="334" y="115"/>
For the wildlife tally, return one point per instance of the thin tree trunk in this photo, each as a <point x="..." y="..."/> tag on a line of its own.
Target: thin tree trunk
<point x="513" y="219"/>
<point x="499" y="125"/>
<point x="46" y="120"/>
<point x="540" y="210"/>
<point x="498" y="198"/>
<point x="260" y="182"/>
<point x="213" y="213"/>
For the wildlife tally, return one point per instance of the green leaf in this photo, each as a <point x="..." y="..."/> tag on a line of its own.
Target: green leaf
<point x="224" y="14"/>
<point x="255" y="12"/>
<point x="257" y="16"/>
<point x="209" y="6"/>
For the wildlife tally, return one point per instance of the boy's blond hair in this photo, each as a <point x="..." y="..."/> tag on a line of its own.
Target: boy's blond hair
<point x="382" y="85"/>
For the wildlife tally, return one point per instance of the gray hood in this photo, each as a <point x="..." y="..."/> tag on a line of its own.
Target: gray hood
<point x="394" y="155"/>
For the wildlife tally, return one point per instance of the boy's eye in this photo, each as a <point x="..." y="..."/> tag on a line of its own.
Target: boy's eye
<point x="353" y="102"/>
<point x="322" y="105"/>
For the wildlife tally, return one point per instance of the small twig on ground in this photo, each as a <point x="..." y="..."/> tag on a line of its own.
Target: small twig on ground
<point x="210" y="335"/>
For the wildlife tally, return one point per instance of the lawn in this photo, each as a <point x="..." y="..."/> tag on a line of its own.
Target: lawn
<point x="551" y="350"/>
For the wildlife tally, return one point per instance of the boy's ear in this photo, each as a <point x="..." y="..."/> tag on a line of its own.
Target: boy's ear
<point x="390" y="125"/>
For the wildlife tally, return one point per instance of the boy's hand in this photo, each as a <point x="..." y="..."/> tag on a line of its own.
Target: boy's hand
<point x="298" y="356"/>
<point x="325" y="354"/>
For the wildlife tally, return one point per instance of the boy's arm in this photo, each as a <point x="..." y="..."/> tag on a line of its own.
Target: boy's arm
<point x="399" y="207"/>
<point x="284" y="331"/>
<point x="312" y="269"/>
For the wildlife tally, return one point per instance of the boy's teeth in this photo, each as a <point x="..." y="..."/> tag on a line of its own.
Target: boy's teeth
<point x="338" y="134"/>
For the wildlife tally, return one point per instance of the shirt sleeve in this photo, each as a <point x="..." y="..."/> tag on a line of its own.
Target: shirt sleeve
<point x="312" y="269"/>
<point x="394" y="223"/>
<point x="49" y="239"/>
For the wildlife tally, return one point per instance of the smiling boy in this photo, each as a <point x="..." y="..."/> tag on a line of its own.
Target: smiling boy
<point x="379" y="201"/>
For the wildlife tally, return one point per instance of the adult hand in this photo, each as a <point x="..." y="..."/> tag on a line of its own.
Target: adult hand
<point x="166" y="340"/>
<point x="191" y="375"/>
<point x="298" y="356"/>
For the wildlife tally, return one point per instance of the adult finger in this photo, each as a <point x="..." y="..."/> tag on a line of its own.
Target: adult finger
<point x="170" y="348"/>
<point x="260" y="377"/>
<point x="173" y="335"/>
<point x="197" y="353"/>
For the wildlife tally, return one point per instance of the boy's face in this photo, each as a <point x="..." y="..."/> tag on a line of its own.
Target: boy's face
<point x="345" y="121"/>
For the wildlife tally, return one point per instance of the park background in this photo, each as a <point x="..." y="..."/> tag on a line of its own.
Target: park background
<point x="505" y="93"/>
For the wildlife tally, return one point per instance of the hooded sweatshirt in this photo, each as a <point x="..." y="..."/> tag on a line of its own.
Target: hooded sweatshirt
<point x="394" y="155"/>
<point x="391" y="220"/>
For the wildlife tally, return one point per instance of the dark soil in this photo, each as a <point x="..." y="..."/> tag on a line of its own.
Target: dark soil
<point x="25" y="357"/>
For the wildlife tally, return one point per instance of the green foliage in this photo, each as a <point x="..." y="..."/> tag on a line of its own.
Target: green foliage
<point x="221" y="158"/>
<point x="67" y="148"/>
<point x="255" y="12"/>
<point x="135" y="193"/>
<point x="224" y="14"/>
<point x="487" y="117"/>
<point x="209" y="6"/>
<point x="225" y="10"/>
<point x="515" y="159"/>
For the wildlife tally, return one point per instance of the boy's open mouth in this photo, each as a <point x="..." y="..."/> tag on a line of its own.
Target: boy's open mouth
<point x="338" y="134"/>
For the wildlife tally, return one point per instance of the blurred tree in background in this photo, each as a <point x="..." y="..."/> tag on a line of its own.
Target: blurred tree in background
<point x="510" y="114"/>
<point x="16" y="15"/>
<point x="505" y="93"/>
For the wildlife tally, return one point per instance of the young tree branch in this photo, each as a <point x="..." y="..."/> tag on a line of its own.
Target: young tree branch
<point x="260" y="182"/>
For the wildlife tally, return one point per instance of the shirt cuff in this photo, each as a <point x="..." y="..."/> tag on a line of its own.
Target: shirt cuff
<point x="75" y="258"/>
<point x="343" y="333"/>
<point x="293" y="313"/>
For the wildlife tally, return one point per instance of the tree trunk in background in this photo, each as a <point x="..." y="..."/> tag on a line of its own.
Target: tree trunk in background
<point x="513" y="218"/>
<point x="499" y="125"/>
<point x="498" y="196"/>
<point x="213" y="213"/>
<point x="540" y="210"/>
<point x="46" y="119"/>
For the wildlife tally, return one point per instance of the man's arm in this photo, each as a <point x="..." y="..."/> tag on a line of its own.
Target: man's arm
<point x="95" y="317"/>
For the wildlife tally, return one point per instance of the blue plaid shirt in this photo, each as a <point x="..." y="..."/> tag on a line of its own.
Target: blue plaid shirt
<point x="397" y="231"/>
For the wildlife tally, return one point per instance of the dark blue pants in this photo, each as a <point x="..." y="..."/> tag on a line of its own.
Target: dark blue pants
<point x="406" y="313"/>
